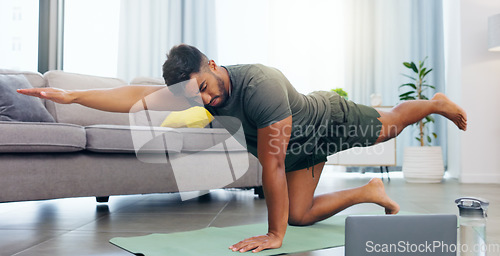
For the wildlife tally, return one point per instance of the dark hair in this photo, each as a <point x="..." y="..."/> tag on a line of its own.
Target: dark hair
<point x="182" y="61"/>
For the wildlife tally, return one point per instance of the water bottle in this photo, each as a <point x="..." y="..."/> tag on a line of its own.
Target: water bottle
<point x="472" y="232"/>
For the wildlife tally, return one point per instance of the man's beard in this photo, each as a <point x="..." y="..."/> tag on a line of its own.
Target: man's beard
<point x="223" y="93"/>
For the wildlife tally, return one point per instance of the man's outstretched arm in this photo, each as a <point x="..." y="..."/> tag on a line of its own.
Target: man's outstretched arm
<point x="272" y="142"/>
<point x="121" y="99"/>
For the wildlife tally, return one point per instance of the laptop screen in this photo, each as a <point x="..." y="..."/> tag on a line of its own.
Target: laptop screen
<point x="401" y="235"/>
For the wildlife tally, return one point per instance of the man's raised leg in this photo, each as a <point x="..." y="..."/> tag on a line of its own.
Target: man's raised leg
<point x="306" y="209"/>
<point x="410" y="112"/>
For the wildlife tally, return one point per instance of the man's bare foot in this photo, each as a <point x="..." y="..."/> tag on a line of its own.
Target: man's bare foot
<point x="451" y="110"/>
<point x="375" y="188"/>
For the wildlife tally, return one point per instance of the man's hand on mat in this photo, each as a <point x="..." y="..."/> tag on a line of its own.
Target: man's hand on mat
<point x="258" y="243"/>
<point x="53" y="94"/>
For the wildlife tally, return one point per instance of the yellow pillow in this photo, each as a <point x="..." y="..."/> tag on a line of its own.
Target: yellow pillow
<point x="195" y="117"/>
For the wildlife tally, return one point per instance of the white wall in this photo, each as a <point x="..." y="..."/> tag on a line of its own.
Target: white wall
<point x="480" y="90"/>
<point x="453" y="88"/>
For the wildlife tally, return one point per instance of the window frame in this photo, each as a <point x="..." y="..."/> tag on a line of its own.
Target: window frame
<point x="50" y="35"/>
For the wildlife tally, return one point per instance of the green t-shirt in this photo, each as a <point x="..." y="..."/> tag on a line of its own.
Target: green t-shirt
<point x="261" y="96"/>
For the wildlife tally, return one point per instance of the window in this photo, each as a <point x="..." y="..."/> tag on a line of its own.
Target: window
<point x="303" y="39"/>
<point x="19" y="34"/>
<point x="91" y="37"/>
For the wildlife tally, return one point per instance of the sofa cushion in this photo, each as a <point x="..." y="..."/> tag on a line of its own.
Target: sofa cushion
<point x="66" y="113"/>
<point x="143" y="80"/>
<point x="35" y="78"/>
<point x="21" y="137"/>
<point x="132" y="139"/>
<point x="18" y="107"/>
<point x="194" y="139"/>
<point x="208" y="140"/>
<point x="148" y="117"/>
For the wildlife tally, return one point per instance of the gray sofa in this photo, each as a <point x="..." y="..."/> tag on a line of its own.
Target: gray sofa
<point x="87" y="152"/>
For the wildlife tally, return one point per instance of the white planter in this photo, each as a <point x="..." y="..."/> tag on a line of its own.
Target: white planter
<point x="423" y="164"/>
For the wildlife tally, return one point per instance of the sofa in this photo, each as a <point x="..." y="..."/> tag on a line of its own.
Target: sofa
<point x="83" y="152"/>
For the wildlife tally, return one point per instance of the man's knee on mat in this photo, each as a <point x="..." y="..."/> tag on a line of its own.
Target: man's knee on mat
<point x="298" y="221"/>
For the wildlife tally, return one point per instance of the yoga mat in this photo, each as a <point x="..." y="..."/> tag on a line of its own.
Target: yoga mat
<point x="216" y="241"/>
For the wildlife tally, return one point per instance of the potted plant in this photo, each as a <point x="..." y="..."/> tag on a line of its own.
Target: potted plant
<point x="422" y="164"/>
<point x="340" y="92"/>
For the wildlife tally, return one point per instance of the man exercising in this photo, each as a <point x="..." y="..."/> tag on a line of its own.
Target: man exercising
<point x="290" y="133"/>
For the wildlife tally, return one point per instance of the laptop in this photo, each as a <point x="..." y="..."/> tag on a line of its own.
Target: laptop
<point x="370" y="235"/>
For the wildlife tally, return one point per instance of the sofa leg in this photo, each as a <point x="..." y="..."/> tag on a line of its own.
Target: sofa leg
<point x="259" y="191"/>
<point x="102" y="199"/>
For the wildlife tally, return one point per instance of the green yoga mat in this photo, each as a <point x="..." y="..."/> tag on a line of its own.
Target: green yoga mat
<point x="215" y="241"/>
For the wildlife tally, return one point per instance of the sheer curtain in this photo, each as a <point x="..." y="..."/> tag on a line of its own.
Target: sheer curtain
<point x="380" y="36"/>
<point x="149" y="28"/>
<point x="303" y="39"/>
<point x="305" y="42"/>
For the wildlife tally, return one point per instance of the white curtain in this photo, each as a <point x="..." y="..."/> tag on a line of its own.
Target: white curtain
<point x="303" y="39"/>
<point x="305" y="42"/>
<point x="149" y="28"/>
<point x="380" y="36"/>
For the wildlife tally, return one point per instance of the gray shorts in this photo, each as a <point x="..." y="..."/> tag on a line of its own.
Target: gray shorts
<point x="350" y="125"/>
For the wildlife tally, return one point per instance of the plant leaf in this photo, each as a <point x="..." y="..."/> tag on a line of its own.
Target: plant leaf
<point x="414" y="67"/>
<point x="427" y="120"/>
<point x="340" y="92"/>
<point x="409" y="84"/>
<point x="407" y="98"/>
<point x="430" y="119"/>
<point x="435" y="135"/>
<point x="417" y="139"/>
<point x="407" y="64"/>
<point x="428" y="71"/>
<point x="423" y="97"/>
<point x="422" y="72"/>
<point x="423" y="61"/>
<point x="412" y="78"/>
<point x="428" y="85"/>
<point x="406" y="94"/>
<point x="429" y="139"/>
